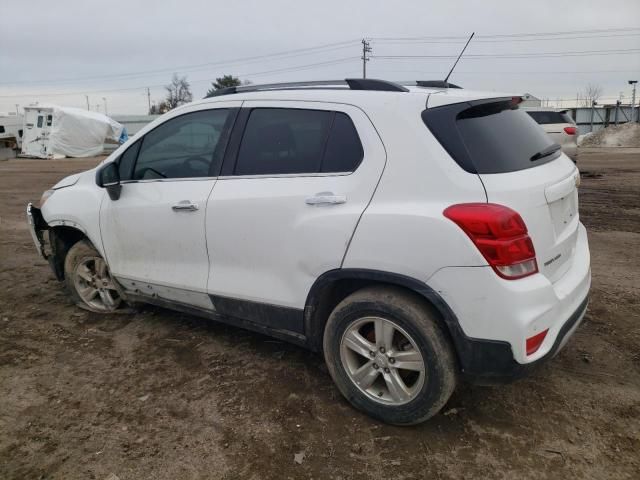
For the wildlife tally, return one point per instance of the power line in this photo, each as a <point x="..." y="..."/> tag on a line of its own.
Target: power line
<point x="254" y="74"/>
<point x="582" y="53"/>
<point x="185" y="68"/>
<point x="514" y="35"/>
<point x="400" y="41"/>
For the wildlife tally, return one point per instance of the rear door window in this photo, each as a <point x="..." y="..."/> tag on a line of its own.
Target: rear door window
<point x="490" y="136"/>
<point x="278" y="141"/>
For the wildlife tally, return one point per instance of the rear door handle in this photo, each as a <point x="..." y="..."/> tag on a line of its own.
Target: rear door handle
<point x="185" y="206"/>
<point x="325" y="198"/>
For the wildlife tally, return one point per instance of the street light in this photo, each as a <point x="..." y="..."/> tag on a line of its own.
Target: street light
<point x="633" y="99"/>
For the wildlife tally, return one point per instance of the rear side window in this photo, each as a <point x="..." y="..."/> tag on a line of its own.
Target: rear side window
<point x="547" y="118"/>
<point x="490" y="136"/>
<point x="40" y="121"/>
<point x="296" y="141"/>
<point x="344" y="150"/>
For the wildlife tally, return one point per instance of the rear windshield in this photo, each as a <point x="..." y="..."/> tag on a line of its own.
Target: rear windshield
<point x="546" y="118"/>
<point x="490" y="136"/>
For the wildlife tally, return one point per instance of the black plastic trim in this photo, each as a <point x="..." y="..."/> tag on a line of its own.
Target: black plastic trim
<point x="285" y="335"/>
<point x="435" y="84"/>
<point x="270" y="316"/>
<point x="485" y="362"/>
<point x="373" y="84"/>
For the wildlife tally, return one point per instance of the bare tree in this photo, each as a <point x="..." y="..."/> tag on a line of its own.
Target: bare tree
<point x="178" y="92"/>
<point x="590" y="94"/>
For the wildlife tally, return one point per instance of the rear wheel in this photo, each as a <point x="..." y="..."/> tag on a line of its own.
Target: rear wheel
<point x="88" y="279"/>
<point x="388" y="356"/>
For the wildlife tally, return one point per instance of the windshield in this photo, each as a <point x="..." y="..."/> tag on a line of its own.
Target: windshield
<point x="491" y="136"/>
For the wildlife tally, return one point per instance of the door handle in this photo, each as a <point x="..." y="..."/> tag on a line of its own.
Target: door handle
<point x="325" y="198"/>
<point x="185" y="206"/>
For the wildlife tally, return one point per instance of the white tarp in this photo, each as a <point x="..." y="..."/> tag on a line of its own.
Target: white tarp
<point x="66" y="131"/>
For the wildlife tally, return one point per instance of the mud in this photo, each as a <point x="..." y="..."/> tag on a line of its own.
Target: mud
<point x="167" y="396"/>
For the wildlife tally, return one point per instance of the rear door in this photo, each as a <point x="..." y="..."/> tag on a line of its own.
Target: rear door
<point x="521" y="168"/>
<point x="296" y="179"/>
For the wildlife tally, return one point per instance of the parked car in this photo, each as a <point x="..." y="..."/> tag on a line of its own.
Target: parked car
<point x="560" y="127"/>
<point x="388" y="227"/>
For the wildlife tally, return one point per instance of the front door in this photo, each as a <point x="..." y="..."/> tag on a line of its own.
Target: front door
<point x="154" y="234"/>
<point x="296" y="179"/>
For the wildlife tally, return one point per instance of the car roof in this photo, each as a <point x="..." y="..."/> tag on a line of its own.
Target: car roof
<point x="360" y="98"/>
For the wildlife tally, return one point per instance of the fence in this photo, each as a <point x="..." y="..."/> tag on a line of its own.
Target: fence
<point x="590" y="119"/>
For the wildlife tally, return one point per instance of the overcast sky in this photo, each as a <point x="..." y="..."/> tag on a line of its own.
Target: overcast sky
<point x="115" y="49"/>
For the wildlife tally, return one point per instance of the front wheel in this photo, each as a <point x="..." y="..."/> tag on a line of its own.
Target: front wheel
<point x="88" y="279"/>
<point x="388" y="356"/>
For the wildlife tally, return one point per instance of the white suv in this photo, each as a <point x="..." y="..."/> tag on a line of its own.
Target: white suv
<point x="416" y="236"/>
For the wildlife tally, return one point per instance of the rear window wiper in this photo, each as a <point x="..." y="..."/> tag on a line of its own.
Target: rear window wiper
<point x="550" y="150"/>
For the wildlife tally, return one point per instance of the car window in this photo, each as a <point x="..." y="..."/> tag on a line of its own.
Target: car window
<point x="282" y="140"/>
<point x="40" y="121"/>
<point x="547" y="118"/>
<point x="182" y="147"/>
<point x="490" y="136"/>
<point x="287" y="141"/>
<point x="344" y="149"/>
<point x="127" y="160"/>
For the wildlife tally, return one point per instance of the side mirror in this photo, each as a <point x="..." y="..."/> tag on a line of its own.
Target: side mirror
<point x="108" y="176"/>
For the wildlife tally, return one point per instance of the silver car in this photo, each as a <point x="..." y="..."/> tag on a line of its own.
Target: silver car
<point x="560" y="127"/>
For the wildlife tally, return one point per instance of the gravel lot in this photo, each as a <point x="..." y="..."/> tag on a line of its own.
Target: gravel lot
<point x="167" y="396"/>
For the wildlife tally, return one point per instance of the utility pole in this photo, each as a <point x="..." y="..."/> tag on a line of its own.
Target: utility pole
<point x="149" y="100"/>
<point x="17" y="109"/>
<point x="87" y="98"/>
<point x="366" y="49"/>
<point x="104" y="99"/>
<point x="633" y="101"/>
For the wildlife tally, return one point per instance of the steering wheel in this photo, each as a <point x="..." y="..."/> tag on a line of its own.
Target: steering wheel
<point x="196" y="159"/>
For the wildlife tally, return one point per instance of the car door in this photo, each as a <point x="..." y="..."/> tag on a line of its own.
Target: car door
<point x="153" y="235"/>
<point x="296" y="178"/>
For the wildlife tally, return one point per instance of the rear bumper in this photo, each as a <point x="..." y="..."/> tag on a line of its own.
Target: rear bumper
<point x="490" y="362"/>
<point x="496" y="316"/>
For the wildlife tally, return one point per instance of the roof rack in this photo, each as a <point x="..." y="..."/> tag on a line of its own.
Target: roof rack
<point x="435" y="84"/>
<point x="351" y="83"/>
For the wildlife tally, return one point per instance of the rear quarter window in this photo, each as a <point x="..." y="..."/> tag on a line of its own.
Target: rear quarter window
<point x="489" y="136"/>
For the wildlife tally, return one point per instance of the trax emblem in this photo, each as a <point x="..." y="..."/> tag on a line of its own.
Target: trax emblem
<point x="549" y="262"/>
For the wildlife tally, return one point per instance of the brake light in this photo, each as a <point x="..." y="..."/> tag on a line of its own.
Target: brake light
<point x="501" y="236"/>
<point x="570" y="130"/>
<point x="533" y="343"/>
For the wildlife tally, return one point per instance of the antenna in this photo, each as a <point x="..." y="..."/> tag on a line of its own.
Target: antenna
<point x="459" y="56"/>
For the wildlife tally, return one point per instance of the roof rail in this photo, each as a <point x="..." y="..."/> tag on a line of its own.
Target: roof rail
<point x="435" y="84"/>
<point x="351" y="83"/>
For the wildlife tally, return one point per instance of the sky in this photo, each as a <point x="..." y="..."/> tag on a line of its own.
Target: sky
<point x="69" y="52"/>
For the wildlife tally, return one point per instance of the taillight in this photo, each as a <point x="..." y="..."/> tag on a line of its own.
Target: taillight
<point x="570" y="130"/>
<point x="533" y="343"/>
<point x="501" y="236"/>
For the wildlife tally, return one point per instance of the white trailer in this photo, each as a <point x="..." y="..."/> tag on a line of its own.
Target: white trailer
<point x="51" y="131"/>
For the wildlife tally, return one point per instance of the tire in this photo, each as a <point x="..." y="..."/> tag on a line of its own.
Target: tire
<point x="88" y="279"/>
<point x="411" y="325"/>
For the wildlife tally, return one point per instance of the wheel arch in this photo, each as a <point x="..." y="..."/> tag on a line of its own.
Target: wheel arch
<point x="61" y="238"/>
<point x="335" y="285"/>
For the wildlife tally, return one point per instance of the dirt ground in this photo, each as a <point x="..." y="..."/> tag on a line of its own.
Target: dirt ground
<point x="162" y="395"/>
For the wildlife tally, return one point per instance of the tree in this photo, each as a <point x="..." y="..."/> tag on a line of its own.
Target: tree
<point x="159" y="108"/>
<point x="178" y="93"/>
<point x="224" y="82"/>
<point x="590" y="94"/>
